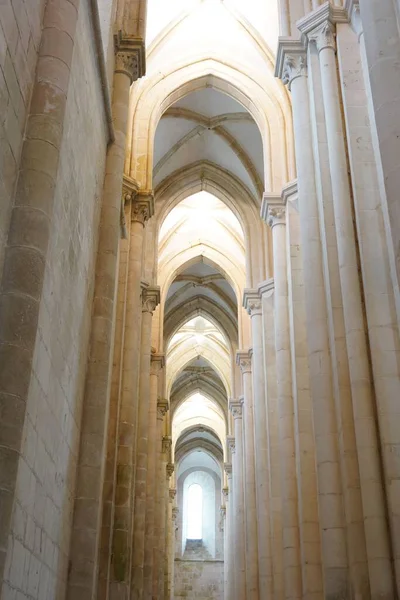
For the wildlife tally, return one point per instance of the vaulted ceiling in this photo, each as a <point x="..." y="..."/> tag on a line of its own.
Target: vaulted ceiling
<point x="209" y="126"/>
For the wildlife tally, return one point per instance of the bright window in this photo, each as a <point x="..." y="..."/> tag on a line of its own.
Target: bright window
<point x="195" y="512"/>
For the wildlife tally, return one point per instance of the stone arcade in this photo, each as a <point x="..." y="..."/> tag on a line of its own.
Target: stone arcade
<point x="199" y="300"/>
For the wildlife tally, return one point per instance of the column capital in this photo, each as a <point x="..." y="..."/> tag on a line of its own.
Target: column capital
<point x="319" y="26"/>
<point x="130" y="56"/>
<point x="170" y="468"/>
<point x="230" y="440"/>
<point x="166" y="443"/>
<point x="172" y="493"/>
<point x="252" y="301"/>
<point x="130" y="188"/>
<point x="142" y="207"/>
<point x="228" y="470"/>
<point x="272" y="204"/>
<point x="162" y="408"/>
<point x="243" y="360"/>
<point x="236" y="408"/>
<point x="150" y="298"/>
<point x="266" y="288"/>
<point x="157" y="362"/>
<point x="291" y="60"/>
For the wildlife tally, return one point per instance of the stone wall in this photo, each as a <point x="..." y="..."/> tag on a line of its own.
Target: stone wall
<point x="20" y="32"/>
<point x="199" y="579"/>
<point x="37" y="559"/>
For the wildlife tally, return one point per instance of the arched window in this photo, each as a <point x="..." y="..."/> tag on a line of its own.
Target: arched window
<point x="195" y="512"/>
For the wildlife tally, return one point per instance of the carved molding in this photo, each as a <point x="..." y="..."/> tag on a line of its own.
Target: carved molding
<point x="130" y="56"/>
<point x="319" y="26"/>
<point x="172" y="493"/>
<point x="175" y="513"/>
<point x="157" y="362"/>
<point x="170" y="469"/>
<point x="166" y="444"/>
<point x="243" y="360"/>
<point x="150" y="298"/>
<point x="236" y="408"/>
<point x="295" y="66"/>
<point x="291" y="60"/>
<point x="324" y="36"/>
<point x="142" y="207"/>
<point x="225" y="492"/>
<point x="231" y="442"/>
<point x="266" y="288"/>
<point x="228" y="469"/>
<point x="252" y="302"/>
<point x="276" y="215"/>
<point x="162" y="408"/>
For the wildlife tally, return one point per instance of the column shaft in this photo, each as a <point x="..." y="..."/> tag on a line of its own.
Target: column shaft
<point x="237" y="468"/>
<point x="91" y="466"/>
<point x="124" y="500"/>
<point x="356" y="339"/>
<point x="151" y="489"/>
<point x="333" y="532"/>
<point x="150" y="300"/>
<point x="290" y="524"/>
<point x="249" y="479"/>
<point x="266" y="292"/>
<point x="109" y="488"/>
<point x="380" y="308"/>
<point x="230" y="548"/>
<point x="261" y="457"/>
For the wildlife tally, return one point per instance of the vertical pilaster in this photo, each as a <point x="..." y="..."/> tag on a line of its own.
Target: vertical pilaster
<point x="172" y="519"/>
<point x="322" y="33"/>
<point x="120" y="572"/>
<point x="236" y="446"/>
<point x="243" y="359"/>
<point x="91" y="467"/>
<point x="225" y="495"/>
<point x="150" y="299"/>
<point x="163" y="445"/>
<point x="230" y="548"/>
<point x="261" y="451"/>
<point x="291" y="67"/>
<point x="276" y="218"/>
<point x="157" y="363"/>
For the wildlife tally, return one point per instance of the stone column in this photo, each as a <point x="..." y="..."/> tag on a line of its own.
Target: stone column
<point x="166" y="443"/>
<point x="157" y="363"/>
<point x="236" y="446"/>
<point x="225" y="494"/>
<point x="142" y="208"/>
<point x="291" y="68"/>
<point x="266" y="292"/>
<point x="276" y="218"/>
<point x="382" y="44"/>
<point x="253" y="306"/>
<point x="91" y="466"/>
<point x="379" y="295"/>
<point x="161" y="486"/>
<point x="150" y="299"/>
<point x="322" y="32"/>
<point x="172" y="519"/>
<point x="230" y="549"/>
<point x="243" y="359"/>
